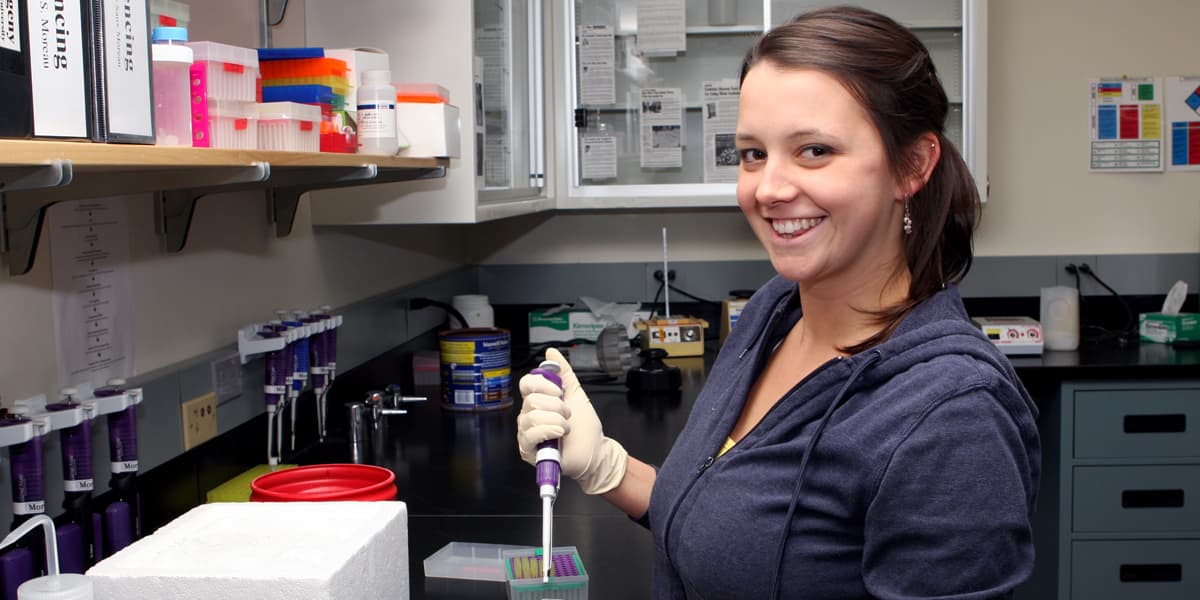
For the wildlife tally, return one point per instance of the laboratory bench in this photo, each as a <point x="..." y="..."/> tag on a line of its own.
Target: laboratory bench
<point x="462" y="478"/>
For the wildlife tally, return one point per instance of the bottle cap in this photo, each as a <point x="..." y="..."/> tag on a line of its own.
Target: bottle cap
<point x="377" y="77"/>
<point x="162" y="35"/>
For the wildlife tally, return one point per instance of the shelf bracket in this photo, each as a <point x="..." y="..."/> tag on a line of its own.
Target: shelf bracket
<point x="22" y="221"/>
<point x="174" y="208"/>
<point x="283" y="201"/>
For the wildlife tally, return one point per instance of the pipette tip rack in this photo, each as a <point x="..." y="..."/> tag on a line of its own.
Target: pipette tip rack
<point x="523" y="568"/>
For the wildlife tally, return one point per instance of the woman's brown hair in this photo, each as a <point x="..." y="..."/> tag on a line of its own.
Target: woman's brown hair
<point x="889" y="71"/>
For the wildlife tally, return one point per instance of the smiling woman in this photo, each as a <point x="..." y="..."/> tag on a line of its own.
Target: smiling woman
<point x="857" y="436"/>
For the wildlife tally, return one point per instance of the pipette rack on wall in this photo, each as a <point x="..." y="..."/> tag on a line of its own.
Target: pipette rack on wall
<point x="251" y="342"/>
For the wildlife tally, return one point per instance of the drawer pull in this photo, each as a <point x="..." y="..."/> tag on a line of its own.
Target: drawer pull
<point x="1147" y="573"/>
<point x="1155" y="423"/>
<point x="1152" y="499"/>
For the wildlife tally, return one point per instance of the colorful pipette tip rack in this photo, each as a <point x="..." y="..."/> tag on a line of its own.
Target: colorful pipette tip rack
<point x="523" y="567"/>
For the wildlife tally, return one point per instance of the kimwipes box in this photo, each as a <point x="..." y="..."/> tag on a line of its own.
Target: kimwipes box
<point x="1164" y="328"/>
<point x="561" y="325"/>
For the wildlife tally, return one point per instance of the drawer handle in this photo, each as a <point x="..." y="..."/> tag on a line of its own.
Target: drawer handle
<point x="1155" y="423"/>
<point x="1147" y="573"/>
<point x="1152" y="499"/>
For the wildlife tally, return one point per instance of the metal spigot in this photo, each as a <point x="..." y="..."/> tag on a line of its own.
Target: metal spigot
<point x="388" y="403"/>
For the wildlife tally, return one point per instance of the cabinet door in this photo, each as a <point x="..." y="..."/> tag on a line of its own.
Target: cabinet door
<point x="639" y="128"/>
<point x="648" y="132"/>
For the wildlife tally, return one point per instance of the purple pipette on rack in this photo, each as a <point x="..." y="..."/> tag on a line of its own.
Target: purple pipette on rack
<point x="549" y="469"/>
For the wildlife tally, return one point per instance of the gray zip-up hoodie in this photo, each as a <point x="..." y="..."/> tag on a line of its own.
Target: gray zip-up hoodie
<point x="906" y="471"/>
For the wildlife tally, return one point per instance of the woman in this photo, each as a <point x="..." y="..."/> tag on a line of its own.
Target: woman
<point x="857" y="437"/>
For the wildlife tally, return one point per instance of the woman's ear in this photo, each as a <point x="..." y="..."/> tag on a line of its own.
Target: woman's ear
<point x="924" y="155"/>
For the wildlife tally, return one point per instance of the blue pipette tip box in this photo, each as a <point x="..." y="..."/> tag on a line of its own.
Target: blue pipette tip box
<point x="569" y="580"/>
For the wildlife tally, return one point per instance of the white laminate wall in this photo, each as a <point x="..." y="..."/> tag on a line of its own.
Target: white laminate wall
<point x="1043" y="199"/>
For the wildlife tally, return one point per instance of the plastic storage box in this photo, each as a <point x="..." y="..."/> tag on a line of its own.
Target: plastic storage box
<point x="337" y="130"/>
<point x="426" y="93"/>
<point x="231" y="124"/>
<point x="468" y="560"/>
<point x="523" y="569"/>
<point x="289" y="126"/>
<point x="168" y="13"/>
<point x="230" y="72"/>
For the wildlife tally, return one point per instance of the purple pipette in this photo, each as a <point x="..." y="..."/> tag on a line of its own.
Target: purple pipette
<point x="549" y="470"/>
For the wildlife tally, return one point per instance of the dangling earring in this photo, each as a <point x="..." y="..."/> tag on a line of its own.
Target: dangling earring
<point x="907" y="219"/>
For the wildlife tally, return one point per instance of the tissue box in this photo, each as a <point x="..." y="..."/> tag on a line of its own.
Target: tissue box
<point x="1164" y="328"/>
<point x="430" y="128"/>
<point x="569" y="324"/>
<point x="266" y="550"/>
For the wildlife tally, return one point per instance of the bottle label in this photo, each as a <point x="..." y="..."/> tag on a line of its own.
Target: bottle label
<point x="10" y="25"/>
<point x="36" y="507"/>
<point x="125" y="466"/>
<point x="377" y="121"/>
<point x="79" y="485"/>
<point x="274" y="389"/>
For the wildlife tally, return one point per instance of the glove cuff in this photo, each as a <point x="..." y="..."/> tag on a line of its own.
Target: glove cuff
<point x="607" y="470"/>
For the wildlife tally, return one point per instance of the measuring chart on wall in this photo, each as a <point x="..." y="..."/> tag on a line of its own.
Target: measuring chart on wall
<point x="93" y="308"/>
<point x="1182" y="98"/>
<point x="1126" y="125"/>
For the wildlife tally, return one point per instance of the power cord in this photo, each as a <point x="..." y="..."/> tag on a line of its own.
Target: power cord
<point x="419" y="303"/>
<point x="1100" y="334"/>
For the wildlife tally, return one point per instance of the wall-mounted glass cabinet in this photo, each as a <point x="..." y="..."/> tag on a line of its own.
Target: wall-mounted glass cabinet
<point x="648" y="100"/>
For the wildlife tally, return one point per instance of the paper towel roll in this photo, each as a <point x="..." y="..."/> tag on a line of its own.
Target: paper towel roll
<point x="1060" y="317"/>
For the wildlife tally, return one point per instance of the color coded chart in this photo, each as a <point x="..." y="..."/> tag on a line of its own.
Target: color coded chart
<point x="1182" y="99"/>
<point x="1126" y="125"/>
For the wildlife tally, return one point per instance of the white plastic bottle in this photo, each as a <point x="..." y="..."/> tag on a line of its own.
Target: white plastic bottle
<point x="377" y="114"/>
<point x="172" y="91"/>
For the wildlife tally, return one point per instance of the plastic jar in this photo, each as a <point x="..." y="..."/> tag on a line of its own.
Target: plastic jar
<point x="475" y="309"/>
<point x="172" y="102"/>
<point x="377" y="114"/>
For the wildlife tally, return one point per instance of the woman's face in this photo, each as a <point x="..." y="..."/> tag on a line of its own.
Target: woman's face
<point x="814" y="181"/>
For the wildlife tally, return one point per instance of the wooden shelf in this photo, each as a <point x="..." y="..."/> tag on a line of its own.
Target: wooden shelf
<point x="90" y="155"/>
<point x="35" y="174"/>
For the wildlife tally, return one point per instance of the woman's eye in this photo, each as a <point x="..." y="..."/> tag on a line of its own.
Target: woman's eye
<point x="750" y="155"/>
<point x="814" y="151"/>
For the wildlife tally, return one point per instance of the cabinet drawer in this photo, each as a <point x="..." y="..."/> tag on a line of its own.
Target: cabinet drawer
<point x="1135" y="570"/>
<point x="1137" y="423"/>
<point x="1137" y="499"/>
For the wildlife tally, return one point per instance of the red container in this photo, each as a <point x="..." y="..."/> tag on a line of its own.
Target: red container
<point x="325" y="483"/>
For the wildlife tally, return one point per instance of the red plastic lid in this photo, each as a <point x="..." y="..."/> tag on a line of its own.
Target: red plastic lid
<point x="323" y="483"/>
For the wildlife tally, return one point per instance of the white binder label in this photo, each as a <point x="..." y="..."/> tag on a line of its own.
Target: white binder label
<point x="56" y="69"/>
<point x="10" y="25"/>
<point x="127" y="68"/>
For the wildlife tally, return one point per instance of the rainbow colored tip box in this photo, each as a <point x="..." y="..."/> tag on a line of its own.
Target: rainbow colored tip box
<point x="568" y="581"/>
<point x="1164" y="328"/>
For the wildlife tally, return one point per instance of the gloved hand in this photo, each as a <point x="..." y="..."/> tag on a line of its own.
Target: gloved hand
<point x="596" y="462"/>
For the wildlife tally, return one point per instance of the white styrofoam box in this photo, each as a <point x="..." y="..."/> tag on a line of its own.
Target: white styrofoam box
<point x="359" y="61"/>
<point x="431" y="129"/>
<point x="289" y="126"/>
<point x="268" y="551"/>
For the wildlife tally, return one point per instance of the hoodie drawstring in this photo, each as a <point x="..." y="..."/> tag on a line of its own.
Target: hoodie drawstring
<point x="874" y="356"/>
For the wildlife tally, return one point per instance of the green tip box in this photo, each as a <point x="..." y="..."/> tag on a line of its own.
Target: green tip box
<point x="1164" y="328"/>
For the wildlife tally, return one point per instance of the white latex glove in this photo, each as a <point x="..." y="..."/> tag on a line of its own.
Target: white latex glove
<point x="596" y="462"/>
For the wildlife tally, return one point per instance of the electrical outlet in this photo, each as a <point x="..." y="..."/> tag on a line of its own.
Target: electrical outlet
<point x="227" y="377"/>
<point x="199" y="420"/>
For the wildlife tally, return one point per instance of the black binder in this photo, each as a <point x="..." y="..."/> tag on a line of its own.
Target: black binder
<point x="16" y="107"/>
